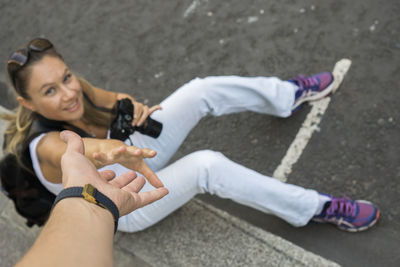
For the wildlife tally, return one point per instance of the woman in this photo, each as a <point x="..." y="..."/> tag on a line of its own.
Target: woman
<point x="47" y="88"/>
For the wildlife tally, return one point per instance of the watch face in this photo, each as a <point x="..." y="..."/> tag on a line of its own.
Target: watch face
<point x="89" y="192"/>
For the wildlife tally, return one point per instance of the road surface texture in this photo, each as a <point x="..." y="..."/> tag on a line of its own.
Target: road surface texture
<point x="150" y="48"/>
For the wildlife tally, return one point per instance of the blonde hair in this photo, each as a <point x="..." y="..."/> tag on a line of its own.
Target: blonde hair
<point x="91" y="114"/>
<point x="20" y="120"/>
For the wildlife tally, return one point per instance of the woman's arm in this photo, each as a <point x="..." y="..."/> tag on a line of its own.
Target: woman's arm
<point x="79" y="233"/>
<point x="107" y="99"/>
<point x="100" y="152"/>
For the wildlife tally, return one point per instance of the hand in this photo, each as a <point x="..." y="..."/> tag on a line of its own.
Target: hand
<point x="123" y="191"/>
<point x="141" y="112"/>
<point x="130" y="157"/>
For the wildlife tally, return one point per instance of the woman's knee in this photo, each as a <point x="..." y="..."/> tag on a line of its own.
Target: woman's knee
<point x="206" y="158"/>
<point x="207" y="166"/>
<point x="200" y="87"/>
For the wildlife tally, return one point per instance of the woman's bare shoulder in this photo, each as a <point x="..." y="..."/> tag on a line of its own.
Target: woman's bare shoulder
<point x="50" y="147"/>
<point x="49" y="151"/>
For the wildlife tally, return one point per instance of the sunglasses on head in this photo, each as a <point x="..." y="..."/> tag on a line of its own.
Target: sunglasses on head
<point x="19" y="58"/>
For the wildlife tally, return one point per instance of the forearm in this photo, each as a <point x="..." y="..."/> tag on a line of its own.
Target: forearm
<point x="77" y="233"/>
<point x="123" y="95"/>
<point x="107" y="99"/>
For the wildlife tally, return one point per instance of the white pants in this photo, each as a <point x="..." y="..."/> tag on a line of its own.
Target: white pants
<point x="209" y="171"/>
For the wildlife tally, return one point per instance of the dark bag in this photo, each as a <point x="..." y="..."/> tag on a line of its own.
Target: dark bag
<point x="19" y="182"/>
<point x="31" y="199"/>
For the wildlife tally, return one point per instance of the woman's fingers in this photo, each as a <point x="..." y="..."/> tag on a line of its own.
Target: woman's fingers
<point x="150" y="175"/>
<point x="148" y="153"/>
<point x="147" y="112"/>
<point x="137" y="152"/>
<point x="142" y="112"/>
<point x="101" y="157"/>
<point x="143" y="116"/>
<point x="111" y="156"/>
<point x="143" y="152"/>
<point x="137" y="112"/>
<point x="154" y="108"/>
<point x="117" y="152"/>
<point x="131" y="157"/>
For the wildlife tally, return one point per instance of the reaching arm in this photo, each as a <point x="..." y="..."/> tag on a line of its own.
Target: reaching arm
<point x="100" y="152"/>
<point x="79" y="233"/>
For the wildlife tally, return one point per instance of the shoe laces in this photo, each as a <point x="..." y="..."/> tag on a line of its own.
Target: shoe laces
<point x="306" y="83"/>
<point x="342" y="207"/>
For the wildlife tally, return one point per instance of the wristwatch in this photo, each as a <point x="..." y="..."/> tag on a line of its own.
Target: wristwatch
<point x="92" y="195"/>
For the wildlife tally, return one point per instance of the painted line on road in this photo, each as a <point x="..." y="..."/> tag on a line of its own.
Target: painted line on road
<point x="310" y="125"/>
<point x="192" y="7"/>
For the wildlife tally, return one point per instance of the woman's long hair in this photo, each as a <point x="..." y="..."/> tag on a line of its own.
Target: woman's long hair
<point x="20" y="121"/>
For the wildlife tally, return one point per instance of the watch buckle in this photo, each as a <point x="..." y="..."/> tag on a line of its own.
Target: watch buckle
<point x="88" y="193"/>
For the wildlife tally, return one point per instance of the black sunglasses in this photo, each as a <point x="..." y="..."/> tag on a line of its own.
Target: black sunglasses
<point x="19" y="58"/>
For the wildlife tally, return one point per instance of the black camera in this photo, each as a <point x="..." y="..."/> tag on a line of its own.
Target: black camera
<point x="121" y="127"/>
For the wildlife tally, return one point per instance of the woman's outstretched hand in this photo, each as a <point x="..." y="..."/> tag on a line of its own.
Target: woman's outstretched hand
<point x="141" y="112"/>
<point x="123" y="190"/>
<point x="132" y="158"/>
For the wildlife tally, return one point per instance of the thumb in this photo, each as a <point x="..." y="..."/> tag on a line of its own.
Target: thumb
<point x="74" y="142"/>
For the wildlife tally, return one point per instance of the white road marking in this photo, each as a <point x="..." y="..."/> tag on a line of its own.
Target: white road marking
<point x="195" y="4"/>
<point x="310" y="125"/>
<point x="191" y="8"/>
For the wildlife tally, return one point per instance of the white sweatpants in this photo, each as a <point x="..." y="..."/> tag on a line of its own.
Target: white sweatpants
<point x="209" y="171"/>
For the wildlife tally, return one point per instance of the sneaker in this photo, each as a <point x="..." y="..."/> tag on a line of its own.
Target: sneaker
<point x="348" y="215"/>
<point x="312" y="88"/>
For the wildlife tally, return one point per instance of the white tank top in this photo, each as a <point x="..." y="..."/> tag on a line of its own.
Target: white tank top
<point x="52" y="187"/>
<point x="56" y="188"/>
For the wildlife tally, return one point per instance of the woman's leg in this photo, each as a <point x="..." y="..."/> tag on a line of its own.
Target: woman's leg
<point x="208" y="171"/>
<point x="216" y="96"/>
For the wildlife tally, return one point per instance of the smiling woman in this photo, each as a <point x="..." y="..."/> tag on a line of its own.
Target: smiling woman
<point x="55" y="93"/>
<point x="52" y="98"/>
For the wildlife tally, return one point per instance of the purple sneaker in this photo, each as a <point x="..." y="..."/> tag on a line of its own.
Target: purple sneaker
<point x="349" y="215"/>
<point x="312" y="88"/>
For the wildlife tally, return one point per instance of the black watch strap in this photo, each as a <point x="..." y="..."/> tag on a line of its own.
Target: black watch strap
<point x="92" y="195"/>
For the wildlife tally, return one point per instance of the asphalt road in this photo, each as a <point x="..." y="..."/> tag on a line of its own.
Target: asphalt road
<point x="150" y="48"/>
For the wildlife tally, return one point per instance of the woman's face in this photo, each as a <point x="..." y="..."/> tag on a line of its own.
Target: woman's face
<point x="54" y="91"/>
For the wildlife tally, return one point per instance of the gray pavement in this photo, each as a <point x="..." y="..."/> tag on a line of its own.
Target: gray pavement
<point x="179" y="243"/>
<point x="175" y="241"/>
<point x="150" y="48"/>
